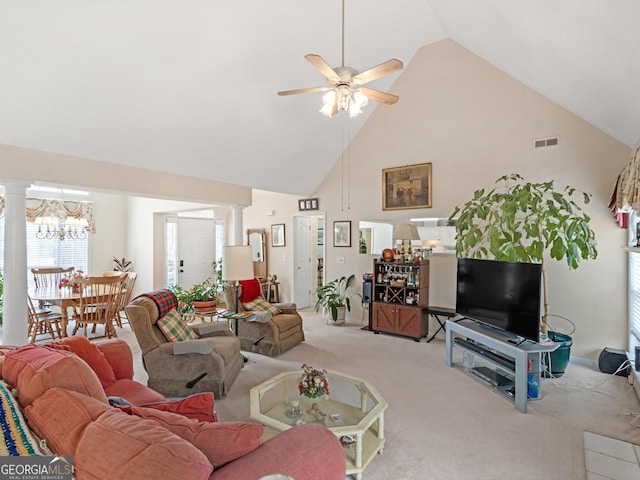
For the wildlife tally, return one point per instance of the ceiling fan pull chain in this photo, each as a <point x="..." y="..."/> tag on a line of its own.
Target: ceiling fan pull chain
<point x="343" y="33"/>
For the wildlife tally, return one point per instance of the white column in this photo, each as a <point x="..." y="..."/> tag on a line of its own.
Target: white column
<point x="14" y="314"/>
<point x="236" y="237"/>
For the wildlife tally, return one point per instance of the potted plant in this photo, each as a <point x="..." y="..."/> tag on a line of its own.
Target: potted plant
<point x="335" y="299"/>
<point x="201" y="297"/>
<point x="521" y="222"/>
<point x="122" y="265"/>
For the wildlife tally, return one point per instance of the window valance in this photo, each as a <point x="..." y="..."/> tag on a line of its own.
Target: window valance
<point x="60" y="209"/>
<point x="626" y="193"/>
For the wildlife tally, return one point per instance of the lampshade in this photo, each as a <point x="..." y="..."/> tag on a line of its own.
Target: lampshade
<point x="237" y="263"/>
<point x="406" y="231"/>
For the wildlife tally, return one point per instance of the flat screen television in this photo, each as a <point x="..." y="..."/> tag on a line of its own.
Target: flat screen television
<point x="505" y="295"/>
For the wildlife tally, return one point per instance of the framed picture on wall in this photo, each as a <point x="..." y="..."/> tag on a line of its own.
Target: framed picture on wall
<point x="342" y="234"/>
<point x="320" y="236"/>
<point x="406" y="187"/>
<point x="277" y="235"/>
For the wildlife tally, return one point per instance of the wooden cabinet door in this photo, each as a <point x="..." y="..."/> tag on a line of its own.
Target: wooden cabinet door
<point x="384" y="317"/>
<point x="408" y="321"/>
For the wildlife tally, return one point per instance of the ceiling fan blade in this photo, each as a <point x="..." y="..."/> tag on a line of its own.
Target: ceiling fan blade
<point x="378" y="71"/>
<point x="324" y="68"/>
<point x="382" y="97"/>
<point x="304" y="90"/>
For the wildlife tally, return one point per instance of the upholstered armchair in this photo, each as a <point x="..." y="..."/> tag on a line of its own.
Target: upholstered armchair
<point x="209" y="363"/>
<point x="265" y="333"/>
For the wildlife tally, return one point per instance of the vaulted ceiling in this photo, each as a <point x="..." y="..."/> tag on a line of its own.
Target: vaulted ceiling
<point x="190" y="86"/>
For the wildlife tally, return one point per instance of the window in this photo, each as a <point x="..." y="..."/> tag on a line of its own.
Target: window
<point x="634" y="294"/>
<point x="171" y="248"/>
<point x="50" y="252"/>
<point x="53" y="252"/>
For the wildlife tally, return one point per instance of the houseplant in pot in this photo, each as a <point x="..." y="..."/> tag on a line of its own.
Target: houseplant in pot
<point x="521" y="221"/>
<point x="334" y="298"/>
<point x="200" y="298"/>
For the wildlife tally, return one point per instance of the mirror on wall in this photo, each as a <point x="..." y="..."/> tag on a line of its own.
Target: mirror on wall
<point x="256" y="238"/>
<point x="436" y="233"/>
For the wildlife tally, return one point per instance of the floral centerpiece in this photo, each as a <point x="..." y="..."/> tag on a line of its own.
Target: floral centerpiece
<point x="313" y="383"/>
<point x="72" y="280"/>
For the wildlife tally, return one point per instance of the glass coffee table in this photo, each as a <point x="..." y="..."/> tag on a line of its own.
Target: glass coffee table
<point x="354" y="412"/>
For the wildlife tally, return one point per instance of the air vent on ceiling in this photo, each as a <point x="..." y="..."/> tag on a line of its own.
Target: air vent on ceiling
<point x="546" y="142"/>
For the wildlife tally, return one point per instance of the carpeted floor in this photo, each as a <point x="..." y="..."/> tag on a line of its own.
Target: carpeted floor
<point x="443" y="424"/>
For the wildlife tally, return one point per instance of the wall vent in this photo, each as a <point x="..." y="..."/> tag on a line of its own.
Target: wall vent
<point x="546" y="142"/>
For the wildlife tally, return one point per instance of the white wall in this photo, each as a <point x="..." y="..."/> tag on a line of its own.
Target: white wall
<point x="474" y="123"/>
<point x="279" y="259"/>
<point x="110" y="239"/>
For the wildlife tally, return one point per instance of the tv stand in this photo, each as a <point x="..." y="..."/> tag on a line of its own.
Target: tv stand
<point x="496" y="351"/>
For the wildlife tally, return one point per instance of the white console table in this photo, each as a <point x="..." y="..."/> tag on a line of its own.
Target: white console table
<point x="494" y="341"/>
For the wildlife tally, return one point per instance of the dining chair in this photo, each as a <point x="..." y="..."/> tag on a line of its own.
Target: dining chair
<point x="49" y="277"/>
<point x="125" y="298"/>
<point x="112" y="273"/>
<point x="42" y="322"/>
<point x="98" y="303"/>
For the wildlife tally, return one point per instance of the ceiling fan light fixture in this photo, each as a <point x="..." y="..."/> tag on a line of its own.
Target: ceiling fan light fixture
<point x="359" y="98"/>
<point x="328" y="103"/>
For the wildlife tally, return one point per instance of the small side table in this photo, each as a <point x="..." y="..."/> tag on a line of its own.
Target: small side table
<point x="271" y="291"/>
<point x="236" y="316"/>
<point x="208" y="317"/>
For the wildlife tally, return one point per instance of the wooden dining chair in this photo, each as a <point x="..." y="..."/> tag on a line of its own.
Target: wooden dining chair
<point x="125" y="298"/>
<point x="112" y="273"/>
<point x="42" y="322"/>
<point x="49" y="277"/>
<point x="98" y="303"/>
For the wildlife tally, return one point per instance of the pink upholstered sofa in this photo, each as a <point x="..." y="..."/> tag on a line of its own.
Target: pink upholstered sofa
<point x="64" y="398"/>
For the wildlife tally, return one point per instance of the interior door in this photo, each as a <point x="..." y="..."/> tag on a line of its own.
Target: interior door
<point x="196" y="250"/>
<point x="302" y="262"/>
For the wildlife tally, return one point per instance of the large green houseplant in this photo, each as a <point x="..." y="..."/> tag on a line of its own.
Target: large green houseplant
<point x="521" y="221"/>
<point x="334" y="297"/>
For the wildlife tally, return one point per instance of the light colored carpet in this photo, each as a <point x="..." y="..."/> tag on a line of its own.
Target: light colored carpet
<point x="443" y="424"/>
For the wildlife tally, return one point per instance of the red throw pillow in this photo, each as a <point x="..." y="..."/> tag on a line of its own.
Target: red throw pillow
<point x="87" y="351"/>
<point x="34" y="369"/>
<point x="251" y="290"/>
<point x="220" y="442"/>
<point x="60" y="417"/>
<point x="116" y="445"/>
<point x="199" y="406"/>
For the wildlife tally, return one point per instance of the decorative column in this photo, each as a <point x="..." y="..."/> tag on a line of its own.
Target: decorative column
<point x="236" y="234"/>
<point x="14" y="314"/>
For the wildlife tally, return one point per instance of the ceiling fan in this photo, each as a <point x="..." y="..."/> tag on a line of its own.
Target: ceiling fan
<point x="345" y="90"/>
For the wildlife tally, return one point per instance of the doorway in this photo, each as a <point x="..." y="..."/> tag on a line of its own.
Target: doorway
<point x="308" y="258"/>
<point x="193" y="250"/>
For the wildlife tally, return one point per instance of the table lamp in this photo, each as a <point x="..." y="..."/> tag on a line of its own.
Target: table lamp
<point x="406" y="231"/>
<point x="237" y="264"/>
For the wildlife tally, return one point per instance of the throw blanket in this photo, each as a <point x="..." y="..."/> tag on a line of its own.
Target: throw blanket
<point x="18" y="440"/>
<point x="164" y="299"/>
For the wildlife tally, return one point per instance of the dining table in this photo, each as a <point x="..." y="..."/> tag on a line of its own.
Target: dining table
<point x="65" y="297"/>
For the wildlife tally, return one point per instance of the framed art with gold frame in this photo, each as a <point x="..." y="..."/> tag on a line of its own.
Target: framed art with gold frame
<point x="406" y="187"/>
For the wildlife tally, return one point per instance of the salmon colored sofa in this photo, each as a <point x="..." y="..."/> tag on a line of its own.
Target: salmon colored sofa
<point x="63" y="391"/>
